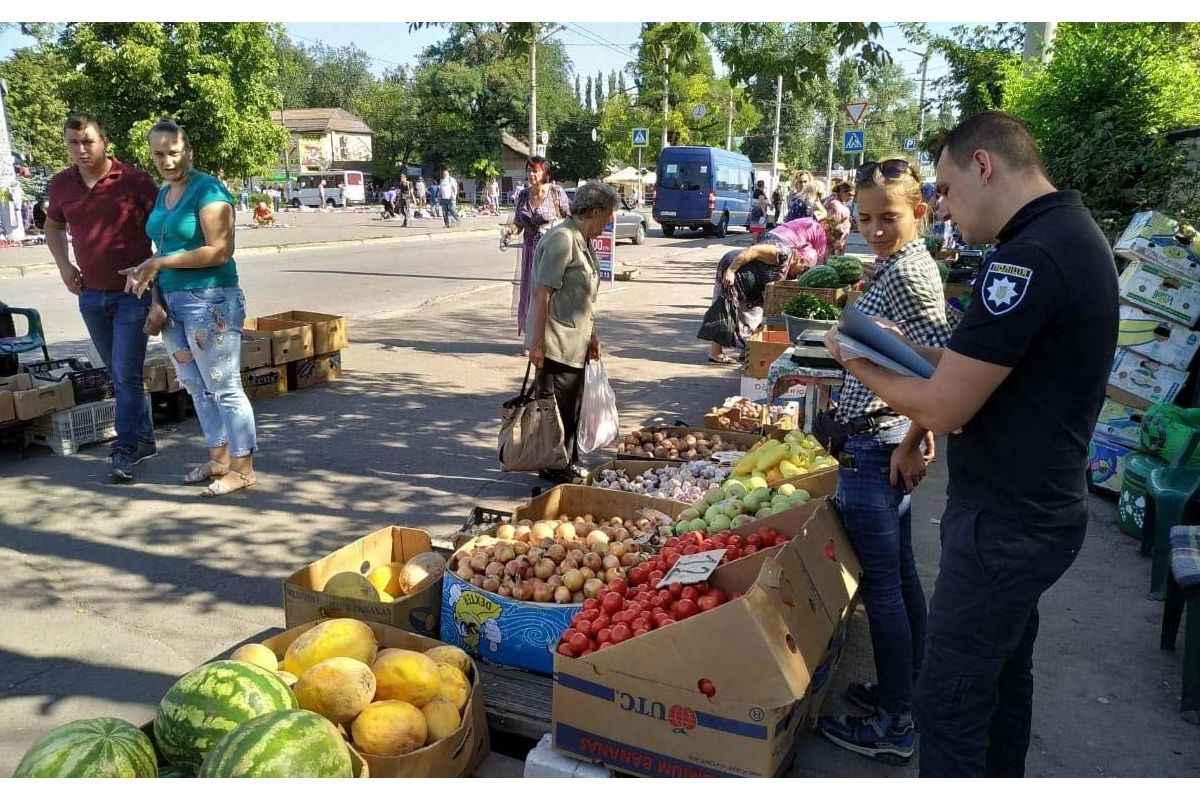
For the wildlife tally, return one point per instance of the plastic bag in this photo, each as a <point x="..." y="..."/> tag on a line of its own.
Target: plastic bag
<point x="720" y="323"/>
<point x="598" y="423"/>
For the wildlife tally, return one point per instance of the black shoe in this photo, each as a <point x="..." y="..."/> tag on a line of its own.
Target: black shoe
<point x="864" y="695"/>
<point x="121" y="468"/>
<point x="146" y="449"/>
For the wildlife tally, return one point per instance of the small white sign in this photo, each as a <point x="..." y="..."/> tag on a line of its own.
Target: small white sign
<point x="693" y="569"/>
<point x="541" y="150"/>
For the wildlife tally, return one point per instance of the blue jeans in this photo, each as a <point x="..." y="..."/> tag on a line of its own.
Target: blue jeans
<point x="878" y="520"/>
<point x="114" y="321"/>
<point x="204" y="335"/>
<point x="974" y="699"/>
<point x="448" y="209"/>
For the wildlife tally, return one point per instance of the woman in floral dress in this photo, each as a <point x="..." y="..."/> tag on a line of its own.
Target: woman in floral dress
<point x="540" y="206"/>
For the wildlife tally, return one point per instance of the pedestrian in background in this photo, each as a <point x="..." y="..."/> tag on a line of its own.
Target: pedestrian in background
<point x="321" y="194"/>
<point x="1024" y="373"/>
<point x="419" y="192"/>
<point x="758" y="204"/>
<point x="797" y="205"/>
<point x="776" y="203"/>
<point x="562" y="317"/>
<point x="403" y="198"/>
<point x="192" y="227"/>
<point x="105" y="204"/>
<point x="539" y="207"/>
<point x="838" y="210"/>
<point x="448" y="195"/>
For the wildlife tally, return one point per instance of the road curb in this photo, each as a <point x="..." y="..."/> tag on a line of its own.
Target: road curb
<point x="419" y="238"/>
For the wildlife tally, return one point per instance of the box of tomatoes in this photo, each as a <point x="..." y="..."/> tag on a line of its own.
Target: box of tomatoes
<point x="726" y="672"/>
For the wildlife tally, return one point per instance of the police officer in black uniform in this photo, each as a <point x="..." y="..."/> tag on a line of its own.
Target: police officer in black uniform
<point x="1018" y="388"/>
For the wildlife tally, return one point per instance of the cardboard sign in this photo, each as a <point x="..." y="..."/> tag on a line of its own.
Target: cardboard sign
<point x="605" y="248"/>
<point x="692" y="569"/>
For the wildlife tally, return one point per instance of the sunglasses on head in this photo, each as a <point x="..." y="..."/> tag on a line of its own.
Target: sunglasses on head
<point x="891" y="169"/>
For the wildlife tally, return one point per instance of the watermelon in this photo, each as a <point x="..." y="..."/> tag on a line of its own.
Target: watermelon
<point x="820" y="277"/>
<point x="105" y="747"/>
<point x="849" y="268"/>
<point x="211" y="701"/>
<point x="282" y="744"/>
<point x="173" y="771"/>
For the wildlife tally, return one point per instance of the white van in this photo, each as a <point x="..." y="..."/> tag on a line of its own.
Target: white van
<point x="338" y="183"/>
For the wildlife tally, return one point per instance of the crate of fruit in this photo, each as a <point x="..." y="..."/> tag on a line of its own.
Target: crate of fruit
<point x="65" y="432"/>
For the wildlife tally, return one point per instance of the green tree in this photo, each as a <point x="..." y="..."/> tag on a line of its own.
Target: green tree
<point x="390" y="110"/>
<point x="578" y="94"/>
<point x="598" y="89"/>
<point x="36" y="110"/>
<point x="572" y="153"/>
<point x="612" y="83"/>
<point x="339" y="75"/>
<point x="666" y="49"/>
<point x="295" y="68"/>
<point x="621" y="82"/>
<point x="1102" y="105"/>
<point x="589" y="96"/>
<point x="215" y="79"/>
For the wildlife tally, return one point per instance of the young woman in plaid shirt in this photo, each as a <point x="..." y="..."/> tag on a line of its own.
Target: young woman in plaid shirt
<point x="882" y="462"/>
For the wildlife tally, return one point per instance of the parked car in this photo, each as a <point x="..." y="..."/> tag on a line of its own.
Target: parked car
<point x="631" y="225"/>
<point x="702" y="188"/>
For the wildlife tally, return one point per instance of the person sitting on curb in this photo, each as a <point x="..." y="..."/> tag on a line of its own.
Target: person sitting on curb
<point x="263" y="216"/>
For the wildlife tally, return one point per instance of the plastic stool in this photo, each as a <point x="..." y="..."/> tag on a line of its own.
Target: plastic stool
<point x="1183" y="589"/>
<point x="1170" y="491"/>
<point x="1131" y="506"/>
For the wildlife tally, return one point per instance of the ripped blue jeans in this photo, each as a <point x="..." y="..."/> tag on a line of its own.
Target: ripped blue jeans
<point x="204" y="336"/>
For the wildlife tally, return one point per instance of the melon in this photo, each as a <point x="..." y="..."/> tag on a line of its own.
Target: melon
<point x="453" y="685"/>
<point x="337" y="688"/>
<point x="406" y="675"/>
<point x="454" y="656"/>
<point x="286" y="677"/>
<point x="257" y="654"/>
<point x="420" y="572"/>
<point x="283" y="744"/>
<point x="389" y="728"/>
<point x="385" y="577"/>
<point x="334" y="637"/>
<point x="350" y="585"/>
<point x="441" y="719"/>
<point x="211" y="701"/>
<point x="105" y="747"/>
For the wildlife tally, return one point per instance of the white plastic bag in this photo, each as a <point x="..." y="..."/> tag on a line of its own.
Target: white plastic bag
<point x="598" y="423"/>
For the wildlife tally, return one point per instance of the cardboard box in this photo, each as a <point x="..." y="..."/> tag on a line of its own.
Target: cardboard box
<point x="1165" y="342"/>
<point x="636" y="707"/>
<point x="256" y="350"/>
<point x="758" y="388"/>
<point x="329" y="331"/>
<point x="631" y="467"/>
<point x="290" y="341"/>
<point x="1144" y="379"/>
<point x="1105" y="462"/>
<point x="158" y="374"/>
<point x="265" y="382"/>
<point x="1150" y="237"/>
<point x="1120" y="423"/>
<point x="456" y="756"/>
<point x="33" y="398"/>
<point x="1161" y="293"/>
<point x="742" y="441"/>
<point x="8" y="410"/>
<point x="311" y="371"/>
<point x="763" y="348"/>
<point x="303" y="601"/>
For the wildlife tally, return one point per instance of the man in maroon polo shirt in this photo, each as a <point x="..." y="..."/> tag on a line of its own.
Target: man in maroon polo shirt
<point x="105" y="204"/>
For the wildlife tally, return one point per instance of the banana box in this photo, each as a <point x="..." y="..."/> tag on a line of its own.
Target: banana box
<point x="1156" y="239"/>
<point x="1143" y="382"/>
<point x="1165" y="342"/>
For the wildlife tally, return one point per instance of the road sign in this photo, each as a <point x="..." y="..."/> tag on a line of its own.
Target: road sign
<point x="926" y="159"/>
<point x="910" y="144"/>
<point x="541" y="150"/>
<point x="699" y="111"/>
<point x="641" y="137"/>
<point x="852" y="141"/>
<point x="856" y="110"/>
<point x="604" y="246"/>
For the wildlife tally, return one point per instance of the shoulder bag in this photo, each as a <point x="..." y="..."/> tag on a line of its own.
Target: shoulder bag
<point x="531" y="432"/>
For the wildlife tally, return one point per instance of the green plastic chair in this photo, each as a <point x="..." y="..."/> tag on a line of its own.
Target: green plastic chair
<point x="34" y="339"/>
<point x="1170" y="491"/>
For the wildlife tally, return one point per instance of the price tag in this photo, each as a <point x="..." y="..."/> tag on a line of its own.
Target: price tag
<point x="693" y="569"/>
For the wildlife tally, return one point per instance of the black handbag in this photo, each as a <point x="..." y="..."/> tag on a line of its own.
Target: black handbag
<point x="531" y="432"/>
<point x="720" y="323"/>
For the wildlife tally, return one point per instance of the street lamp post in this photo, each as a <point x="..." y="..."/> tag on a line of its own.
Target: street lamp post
<point x="924" y="69"/>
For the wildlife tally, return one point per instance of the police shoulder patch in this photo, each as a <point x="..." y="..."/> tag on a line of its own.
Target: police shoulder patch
<point x="1004" y="287"/>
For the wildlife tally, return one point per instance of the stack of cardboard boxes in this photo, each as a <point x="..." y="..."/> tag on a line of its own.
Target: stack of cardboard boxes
<point x="24" y="398"/>
<point x="1160" y="304"/>
<point x="291" y="350"/>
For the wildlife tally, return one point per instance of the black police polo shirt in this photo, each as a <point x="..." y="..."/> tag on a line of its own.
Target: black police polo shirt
<point x="1045" y="305"/>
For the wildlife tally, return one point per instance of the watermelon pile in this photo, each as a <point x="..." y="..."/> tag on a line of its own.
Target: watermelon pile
<point x="836" y="271"/>
<point x="105" y="747"/>
<point x="283" y="744"/>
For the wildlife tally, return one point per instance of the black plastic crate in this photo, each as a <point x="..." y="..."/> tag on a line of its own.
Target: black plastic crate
<point x="89" y="384"/>
<point x="479" y="521"/>
<point x="43" y="368"/>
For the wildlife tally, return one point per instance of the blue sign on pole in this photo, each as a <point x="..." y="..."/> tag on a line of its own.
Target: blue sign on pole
<point x="910" y="144"/>
<point x="852" y="141"/>
<point x="641" y="137"/>
<point x="926" y="159"/>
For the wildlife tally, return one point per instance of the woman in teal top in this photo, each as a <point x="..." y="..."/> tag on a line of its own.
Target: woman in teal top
<point x="192" y="230"/>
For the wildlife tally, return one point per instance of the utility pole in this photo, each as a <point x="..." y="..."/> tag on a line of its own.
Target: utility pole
<point x="533" y="45"/>
<point x="829" y="157"/>
<point x="729" y="122"/>
<point x="666" y="90"/>
<point x="921" y="126"/>
<point x="1039" y="36"/>
<point x="778" y="114"/>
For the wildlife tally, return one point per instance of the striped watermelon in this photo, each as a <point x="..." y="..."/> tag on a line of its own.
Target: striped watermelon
<point x="211" y="701"/>
<point x="105" y="747"/>
<point x="282" y="744"/>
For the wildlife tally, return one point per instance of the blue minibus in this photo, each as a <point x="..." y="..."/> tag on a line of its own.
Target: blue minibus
<point x="702" y="188"/>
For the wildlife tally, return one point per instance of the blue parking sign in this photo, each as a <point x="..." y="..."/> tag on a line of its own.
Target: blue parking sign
<point x="853" y="141"/>
<point x="910" y="144"/>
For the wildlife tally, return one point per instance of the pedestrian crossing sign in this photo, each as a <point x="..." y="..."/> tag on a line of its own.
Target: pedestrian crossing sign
<point x="852" y="141"/>
<point x="641" y="137"/>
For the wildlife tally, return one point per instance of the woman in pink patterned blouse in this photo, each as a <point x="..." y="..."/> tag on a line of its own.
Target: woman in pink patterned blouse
<point x="540" y="206"/>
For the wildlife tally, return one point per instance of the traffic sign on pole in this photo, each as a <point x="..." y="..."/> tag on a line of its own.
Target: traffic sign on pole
<point x="926" y="159"/>
<point x="853" y="141"/>
<point x="541" y="150"/>
<point x="641" y="137"/>
<point x="856" y="110"/>
<point x="910" y="144"/>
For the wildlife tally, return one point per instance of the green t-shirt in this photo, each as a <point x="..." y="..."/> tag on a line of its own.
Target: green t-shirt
<point x="178" y="229"/>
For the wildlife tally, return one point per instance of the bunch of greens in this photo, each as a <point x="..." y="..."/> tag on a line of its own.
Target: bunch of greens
<point x="805" y="306"/>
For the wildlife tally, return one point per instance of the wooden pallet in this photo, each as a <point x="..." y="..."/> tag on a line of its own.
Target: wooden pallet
<point x="517" y="702"/>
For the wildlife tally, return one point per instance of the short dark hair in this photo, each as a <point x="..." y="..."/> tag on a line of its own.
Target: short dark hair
<point x="1001" y="134"/>
<point x="167" y="125"/>
<point x="78" y="120"/>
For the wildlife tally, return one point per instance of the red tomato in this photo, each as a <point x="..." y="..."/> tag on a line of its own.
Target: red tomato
<point x="734" y="540"/>
<point x="706" y="687"/>
<point x="634" y="607"/>
<point x="646" y="615"/>
<point x="602" y="621"/>
<point x="665" y="622"/>
<point x="658" y="602"/>
<point x="702" y="587"/>
<point x="716" y="594"/>
<point x="749" y="551"/>
<point x="707" y="545"/>
<point x="707" y="603"/>
<point x="618" y="585"/>
<point x="754" y="540"/>
<point x="689" y="593"/>
<point x="603" y="635"/>
<point x="611" y="601"/>
<point x="656" y="576"/>
<point x="638" y="575"/>
<point x="673" y="541"/>
<point x="620" y="632"/>
<point x="583" y="626"/>
<point x="640" y="632"/>
<point x="590" y="614"/>
<point x="665" y="594"/>
<point x="658" y="619"/>
<point x="691" y="550"/>
<point x="579" y="641"/>
<point x="697" y="538"/>
<point x="735" y="595"/>
<point x="671" y="559"/>
<point x="604" y="645"/>
<point x="686" y="608"/>
<point x="567" y="650"/>
<point x="590" y="603"/>
<point x="675" y="589"/>
<point x="667" y="552"/>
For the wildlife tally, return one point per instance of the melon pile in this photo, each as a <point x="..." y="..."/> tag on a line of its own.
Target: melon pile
<point x="388" y="582"/>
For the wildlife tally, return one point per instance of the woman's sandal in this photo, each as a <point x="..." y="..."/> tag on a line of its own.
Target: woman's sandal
<point x="206" y="472"/>
<point x="723" y="359"/>
<point x="218" y="489"/>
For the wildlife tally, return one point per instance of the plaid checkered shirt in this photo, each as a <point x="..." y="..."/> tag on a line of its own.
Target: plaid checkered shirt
<point x="907" y="289"/>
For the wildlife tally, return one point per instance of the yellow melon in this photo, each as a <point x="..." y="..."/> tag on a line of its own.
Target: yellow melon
<point x="454" y="656"/>
<point x="333" y="637"/>
<point x="257" y="654"/>
<point x="385" y="576"/>
<point x="406" y="675"/>
<point x="351" y="585"/>
<point x="441" y="719"/>
<point x="453" y="685"/>
<point x="337" y="688"/>
<point x="384" y="597"/>
<point x="287" y="677"/>
<point x="420" y="572"/>
<point x="389" y="728"/>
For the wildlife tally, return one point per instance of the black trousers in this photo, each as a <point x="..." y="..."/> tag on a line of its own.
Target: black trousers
<point x="565" y="385"/>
